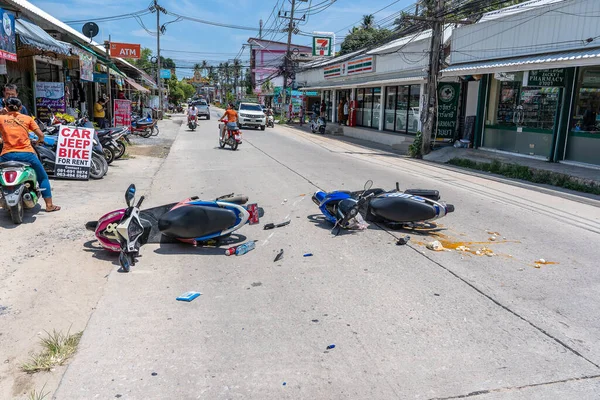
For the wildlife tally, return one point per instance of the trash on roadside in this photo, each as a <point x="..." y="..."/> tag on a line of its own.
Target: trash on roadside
<point x="245" y="248"/>
<point x="331" y="346"/>
<point x="308" y="255"/>
<point x="492" y="239"/>
<point x="273" y="226"/>
<point x="284" y="383"/>
<point x="484" y="251"/>
<point x="188" y="296"/>
<point x="402" y="241"/>
<point x="230" y="251"/>
<point x="279" y="256"/>
<point x="435" y="246"/>
<point x="463" y="248"/>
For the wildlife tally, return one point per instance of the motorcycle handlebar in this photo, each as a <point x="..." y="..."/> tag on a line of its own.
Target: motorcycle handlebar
<point x="139" y="204"/>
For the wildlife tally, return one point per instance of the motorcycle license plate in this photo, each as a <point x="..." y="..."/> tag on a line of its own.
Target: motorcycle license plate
<point x="237" y="137"/>
<point x="253" y="210"/>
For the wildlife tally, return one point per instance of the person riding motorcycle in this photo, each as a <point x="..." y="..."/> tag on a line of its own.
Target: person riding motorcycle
<point x="232" y="118"/>
<point x="15" y="128"/>
<point x="192" y="113"/>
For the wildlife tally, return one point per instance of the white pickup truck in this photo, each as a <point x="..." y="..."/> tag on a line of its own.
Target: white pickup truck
<point x="203" y="108"/>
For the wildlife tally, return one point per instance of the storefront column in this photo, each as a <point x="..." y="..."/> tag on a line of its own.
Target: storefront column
<point x="382" y="109"/>
<point x="560" y="139"/>
<point x="334" y="104"/>
<point x="481" y="107"/>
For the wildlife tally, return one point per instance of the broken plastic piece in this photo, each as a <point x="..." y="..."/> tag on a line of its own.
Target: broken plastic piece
<point x="279" y="256"/>
<point x="273" y="226"/>
<point x="188" y="296"/>
<point x="331" y="346"/>
<point x="308" y="255"/>
<point x="402" y="241"/>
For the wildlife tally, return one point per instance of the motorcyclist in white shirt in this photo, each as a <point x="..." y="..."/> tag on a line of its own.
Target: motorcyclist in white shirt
<point x="192" y="113"/>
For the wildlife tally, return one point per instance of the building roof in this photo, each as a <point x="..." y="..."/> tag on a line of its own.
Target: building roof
<point x="517" y="9"/>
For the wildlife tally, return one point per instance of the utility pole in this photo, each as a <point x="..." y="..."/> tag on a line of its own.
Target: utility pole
<point x="158" y="9"/>
<point x="287" y="62"/>
<point x="429" y="116"/>
<point x="109" y="94"/>
<point x="260" y="24"/>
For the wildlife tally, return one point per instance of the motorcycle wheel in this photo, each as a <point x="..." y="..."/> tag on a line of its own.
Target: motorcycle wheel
<point x="121" y="150"/>
<point x="109" y="154"/>
<point x="154" y="131"/>
<point x="98" y="167"/>
<point x="312" y="128"/>
<point x="222" y="143"/>
<point x="147" y="133"/>
<point x="234" y="146"/>
<point x="16" y="212"/>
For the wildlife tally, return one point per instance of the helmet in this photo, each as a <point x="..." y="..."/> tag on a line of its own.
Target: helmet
<point x="14" y="104"/>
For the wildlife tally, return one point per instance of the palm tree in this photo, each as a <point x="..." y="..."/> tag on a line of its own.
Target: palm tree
<point x="237" y="72"/>
<point x="227" y="73"/>
<point x="267" y="87"/>
<point x="368" y="21"/>
<point x="203" y="66"/>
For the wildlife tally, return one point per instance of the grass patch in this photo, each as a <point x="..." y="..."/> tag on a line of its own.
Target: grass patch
<point x="35" y="395"/>
<point x="57" y="349"/>
<point x="525" y="173"/>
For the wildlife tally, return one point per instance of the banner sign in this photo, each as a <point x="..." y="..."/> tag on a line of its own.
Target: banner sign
<point x="100" y="78"/>
<point x="348" y="68"/>
<point x="122" y="112"/>
<point x="74" y="152"/>
<point x="322" y="46"/>
<point x="165" y="73"/>
<point x="448" y="94"/>
<point x="547" y="78"/>
<point x="125" y="50"/>
<point x="49" y="98"/>
<point x="86" y="67"/>
<point x="8" y="43"/>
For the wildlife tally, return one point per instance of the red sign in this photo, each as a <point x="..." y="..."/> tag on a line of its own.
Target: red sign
<point x="125" y="50"/>
<point x="122" y="112"/>
<point x="74" y="152"/>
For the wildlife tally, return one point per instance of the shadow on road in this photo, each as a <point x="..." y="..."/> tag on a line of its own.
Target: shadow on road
<point x="29" y="216"/>
<point x="210" y="248"/>
<point x="98" y="252"/>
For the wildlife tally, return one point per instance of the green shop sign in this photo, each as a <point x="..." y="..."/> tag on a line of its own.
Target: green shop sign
<point x="547" y="78"/>
<point x="447" y="117"/>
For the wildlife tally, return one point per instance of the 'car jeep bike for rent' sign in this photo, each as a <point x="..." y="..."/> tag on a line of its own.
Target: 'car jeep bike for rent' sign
<point x="547" y="78"/>
<point x="447" y="110"/>
<point x="74" y="152"/>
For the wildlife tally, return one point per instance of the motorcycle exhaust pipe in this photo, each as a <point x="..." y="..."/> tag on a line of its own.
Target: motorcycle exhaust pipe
<point x="28" y="200"/>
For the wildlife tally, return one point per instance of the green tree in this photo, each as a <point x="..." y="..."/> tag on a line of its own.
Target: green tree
<point x="359" y="38"/>
<point x="368" y="21"/>
<point x="188" y="90"/>
<point x="203" y="66"/>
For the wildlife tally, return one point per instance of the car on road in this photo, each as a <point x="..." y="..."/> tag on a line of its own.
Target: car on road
<point x="251" y="114"/>
<point x="203" y="108"/>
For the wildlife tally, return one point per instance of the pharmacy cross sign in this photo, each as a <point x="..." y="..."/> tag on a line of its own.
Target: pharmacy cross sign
<point x="322" y="46"/>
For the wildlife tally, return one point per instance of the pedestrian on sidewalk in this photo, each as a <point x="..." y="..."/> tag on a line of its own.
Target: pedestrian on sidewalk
<point x="345" y="112"/>
<point x="100" y="113"/>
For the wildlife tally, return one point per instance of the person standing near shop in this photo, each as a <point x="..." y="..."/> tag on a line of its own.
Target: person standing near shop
<point x="345" y="121"/>
<point x="323" y="109"/>
<point x="340" y="112"/>
<point x="11" y="90"/>
<point x="100" y="113"/>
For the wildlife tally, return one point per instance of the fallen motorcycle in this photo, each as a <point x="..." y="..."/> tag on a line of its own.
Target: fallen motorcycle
<point x="190" y="221"/>
<point x="408" y="209"/>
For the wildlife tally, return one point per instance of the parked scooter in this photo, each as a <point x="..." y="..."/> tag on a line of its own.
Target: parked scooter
<point x="20" y="190"/>
<point x="112" y="147"/>
<point x="318" y="125"/>
<point x="406" y="209"/>
<point x="190" y="221"/>
<point x="145" y="127"/>
<point x="232" y="137"/>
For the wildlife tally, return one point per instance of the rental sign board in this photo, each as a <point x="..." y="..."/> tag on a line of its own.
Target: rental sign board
<point x="125" y="50"/>
<point x="74" y="152"/>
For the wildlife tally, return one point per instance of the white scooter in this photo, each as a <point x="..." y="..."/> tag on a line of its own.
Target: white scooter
<point x="318" y="125"/>
<point x="270" y="121"/>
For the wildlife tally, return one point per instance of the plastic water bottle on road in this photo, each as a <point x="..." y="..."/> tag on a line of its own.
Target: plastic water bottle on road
<point x="245" y="248"/>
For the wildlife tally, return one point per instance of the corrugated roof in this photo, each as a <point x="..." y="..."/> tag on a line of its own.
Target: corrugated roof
<point x="564" y="59"/>
<point x="517" y="9"/>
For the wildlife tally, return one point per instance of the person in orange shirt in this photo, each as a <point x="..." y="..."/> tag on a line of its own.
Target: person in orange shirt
<point x="232" y="118"/>
<point x="15" y="128"/>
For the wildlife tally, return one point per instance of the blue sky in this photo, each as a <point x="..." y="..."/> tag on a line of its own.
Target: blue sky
<point x="211" y="43"/>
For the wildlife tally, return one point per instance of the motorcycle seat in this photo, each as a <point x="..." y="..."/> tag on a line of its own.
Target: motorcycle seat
<point x="13" y="164"/>
<point x="401" y="209"/>
<point x="192" y="221"/>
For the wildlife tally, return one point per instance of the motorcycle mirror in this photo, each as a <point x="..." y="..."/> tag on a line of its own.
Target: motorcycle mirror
<point x="368" y="185"/>
<point x="130" y="195"/>
<point x="124" y="261"/>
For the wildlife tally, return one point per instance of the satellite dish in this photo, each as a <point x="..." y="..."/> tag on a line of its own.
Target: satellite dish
<point x="90" y="29"/>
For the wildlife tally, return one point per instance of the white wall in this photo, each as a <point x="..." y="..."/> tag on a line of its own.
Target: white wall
<point x="557" y="27"/>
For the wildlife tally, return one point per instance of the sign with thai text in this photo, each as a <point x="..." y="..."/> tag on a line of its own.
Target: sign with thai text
<point x="122" y="112"/>
<point x="125" y="50"/>
<point x="49" y="99"/>
<point x="447" y="117"/>
<point x="74" y="152"/>
<point x="547" y="78"/>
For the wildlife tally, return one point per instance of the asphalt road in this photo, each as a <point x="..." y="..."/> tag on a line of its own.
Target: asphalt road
<point x="406" y="322"/>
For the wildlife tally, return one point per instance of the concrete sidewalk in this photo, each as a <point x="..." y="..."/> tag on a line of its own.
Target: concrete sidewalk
<point x="582" y="174"/>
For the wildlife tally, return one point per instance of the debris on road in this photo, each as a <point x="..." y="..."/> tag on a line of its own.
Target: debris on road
<point x="154" y="374"/>
<point x="284" y="383"/>
<point x="308" y="255"/>
<point x="331" y="346"/>
<point x="279" y="256"/>
<point x="463" y="248"/>
<point x="538" y="264"/>
<point x="273" y="226"/>
<point x="402" y="241"/>
<point x="188" y="296"/>
<point x="435" y="246"/>
<point x="492" y="238"/>
<point x="245" y="248"/>
<point x="230" y="251"/>
<point x="484" y="251"/>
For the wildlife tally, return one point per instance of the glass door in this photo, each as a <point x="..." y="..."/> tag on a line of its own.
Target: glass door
<point x="390" y="108"/>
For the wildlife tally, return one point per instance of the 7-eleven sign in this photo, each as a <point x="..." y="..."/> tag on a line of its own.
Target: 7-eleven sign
<point x="322" y="46"/>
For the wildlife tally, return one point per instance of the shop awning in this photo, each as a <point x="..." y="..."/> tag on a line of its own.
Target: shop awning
<point x="576" y="58"/>
<point x="137" y="86"/>
<point x="34" y="36"/>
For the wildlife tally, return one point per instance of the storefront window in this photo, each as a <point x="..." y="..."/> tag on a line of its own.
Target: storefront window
<point x="360" y="101"/>
<point x="414" y="113"/>
<point x="390" y="108"/>
<point x="368" y="113"/>
<point x="401" y="108"/>
<point x="376" y="107"/>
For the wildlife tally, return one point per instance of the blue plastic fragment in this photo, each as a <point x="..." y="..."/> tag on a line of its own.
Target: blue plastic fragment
<point x="308" y="255"/>
<point x="284" y="383"/>
<point x="188" y="296"/>
<point x="331" y="346"/>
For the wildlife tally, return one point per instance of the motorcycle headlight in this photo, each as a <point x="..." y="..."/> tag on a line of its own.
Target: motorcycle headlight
<point x="134" y="230"/>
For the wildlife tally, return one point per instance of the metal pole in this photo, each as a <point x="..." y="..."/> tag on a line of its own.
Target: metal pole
<point x="109" y="94"/>
<point x="286" y="63"/>
<point x="158" y="79"/>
